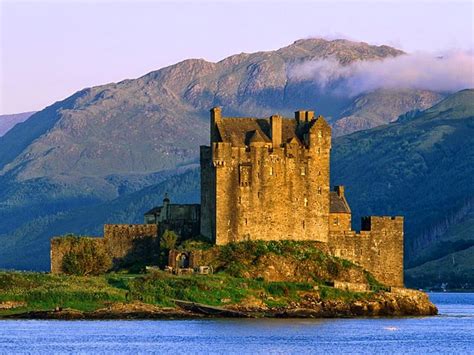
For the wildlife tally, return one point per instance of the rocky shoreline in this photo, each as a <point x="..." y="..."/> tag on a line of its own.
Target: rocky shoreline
<point x="398" y="303"/>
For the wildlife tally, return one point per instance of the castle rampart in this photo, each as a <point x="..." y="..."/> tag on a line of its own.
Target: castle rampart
<point x="378" y="248"/>
<point x="122" y="242"/>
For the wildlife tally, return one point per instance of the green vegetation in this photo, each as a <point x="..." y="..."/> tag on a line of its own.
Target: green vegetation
<point x="45" y="291"/>
<point x="420" y="168"/>
<point x="87" y="293"/>
<point x="87" y="257"/>
<point x="241" y="278"/>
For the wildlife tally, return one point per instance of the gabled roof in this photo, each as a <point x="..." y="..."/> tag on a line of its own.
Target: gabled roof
<point x="338" y="204"/>
<point x="239" y="131"/>
<point x="256" y="137"/>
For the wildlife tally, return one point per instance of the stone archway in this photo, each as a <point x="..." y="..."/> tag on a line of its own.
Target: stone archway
<point x="182" y="260"/>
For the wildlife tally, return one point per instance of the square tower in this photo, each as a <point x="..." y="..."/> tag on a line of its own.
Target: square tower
<point x="266" y="178"/>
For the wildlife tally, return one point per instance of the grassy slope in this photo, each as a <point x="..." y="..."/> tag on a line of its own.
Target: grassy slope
<point x="46" y="292"/>
<point x="456" y="269"/>
<point x="421" y="168"/>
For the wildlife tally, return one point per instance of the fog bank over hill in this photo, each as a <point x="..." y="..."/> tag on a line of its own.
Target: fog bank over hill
<point x="452" y="71"/>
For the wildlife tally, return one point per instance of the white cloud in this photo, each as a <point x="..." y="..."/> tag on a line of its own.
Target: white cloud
<point x="452" y="71"/>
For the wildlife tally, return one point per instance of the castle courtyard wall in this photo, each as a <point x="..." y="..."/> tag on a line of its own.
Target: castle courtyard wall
<point x="122" y="239"/>
<point x="60" y="246"/>
<point x="378" y="248"/>
<point x="124" y="243"/>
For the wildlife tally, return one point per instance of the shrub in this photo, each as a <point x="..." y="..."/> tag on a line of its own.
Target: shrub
<point x="87" y="257"/>
<point x="168" y="240"/>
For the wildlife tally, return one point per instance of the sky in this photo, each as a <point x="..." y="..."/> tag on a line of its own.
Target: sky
<point x="51" y="49"/>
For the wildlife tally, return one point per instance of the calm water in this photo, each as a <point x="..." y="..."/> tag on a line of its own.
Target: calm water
<point x="450" y="332"/>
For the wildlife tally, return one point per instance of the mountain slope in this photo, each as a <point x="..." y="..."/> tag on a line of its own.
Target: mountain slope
<point x="124" y="127"/>
<point x="107" y="142"/>
<point x="27" y="247"/>
<point x="381" y="107"/>
<point x="7" y="122"/>
<point x="421" y="168"/>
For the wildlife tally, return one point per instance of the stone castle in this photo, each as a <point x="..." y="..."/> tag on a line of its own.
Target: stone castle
<point x="268" y="179"/>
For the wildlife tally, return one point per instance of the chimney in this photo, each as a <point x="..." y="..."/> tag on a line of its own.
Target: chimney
<point x="215" y="117"/>
<point x="300" y="116"/>
<point x="309" y="115"/>
<point x="276" y="122"/>
<point x="216" y="113"/>
<point x="339" y="190"/>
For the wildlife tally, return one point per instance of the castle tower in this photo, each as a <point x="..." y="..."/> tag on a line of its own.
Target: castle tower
<point x="266" y="178"/>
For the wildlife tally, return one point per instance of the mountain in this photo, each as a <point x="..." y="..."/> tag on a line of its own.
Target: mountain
<point x="420" y="167"/>
<point x="65" y="164"/>
<point x="7" y="122"/>
<point x="382" y="106"/>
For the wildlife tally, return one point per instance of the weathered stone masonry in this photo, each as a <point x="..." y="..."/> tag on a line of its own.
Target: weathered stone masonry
<point x="120" y="241"/>
<point x="268" y="179"/>
<point x="263" y="179"/>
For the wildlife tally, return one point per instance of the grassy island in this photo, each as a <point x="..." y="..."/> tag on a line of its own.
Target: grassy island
<point x="251" y="279"/>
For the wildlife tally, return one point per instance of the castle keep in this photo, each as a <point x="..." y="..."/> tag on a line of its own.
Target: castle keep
<point x="263" y="179"/>
<point x="268" y="179"/>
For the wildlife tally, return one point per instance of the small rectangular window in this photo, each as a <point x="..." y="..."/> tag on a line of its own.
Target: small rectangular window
<point x="303" y="170"/>
<point x="271" y="170"/>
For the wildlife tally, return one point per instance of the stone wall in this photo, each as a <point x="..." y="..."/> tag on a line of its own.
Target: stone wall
<point x="378" y="248"/>
<point x="339" y="222"/>
<point x="267" y="191"/>
<point x="122" y="239"/>
<point x="60" y="246"/>
<point x="124" y="243"/>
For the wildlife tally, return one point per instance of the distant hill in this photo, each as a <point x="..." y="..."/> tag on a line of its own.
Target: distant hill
<point x="7" y="122"/>
<point x="61" y="168"/>
<point x="420" y="167"/>
<point x="382" y="106"/>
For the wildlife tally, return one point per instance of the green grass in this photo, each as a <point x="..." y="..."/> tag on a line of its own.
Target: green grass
<point x="87" y="293"/>
<point x="45" y="291"/>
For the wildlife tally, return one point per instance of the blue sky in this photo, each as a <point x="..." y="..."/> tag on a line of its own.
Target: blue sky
<point x="49" y="50"/>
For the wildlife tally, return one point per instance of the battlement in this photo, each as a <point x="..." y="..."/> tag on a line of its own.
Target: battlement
<point x="379" y="222"/>
<point x="378" y="247"/>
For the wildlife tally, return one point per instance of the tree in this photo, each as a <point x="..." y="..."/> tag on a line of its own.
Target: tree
<point x="168" y="240"/>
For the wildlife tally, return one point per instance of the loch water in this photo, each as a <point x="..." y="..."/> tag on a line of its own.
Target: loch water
<point x="452" y="331"/>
